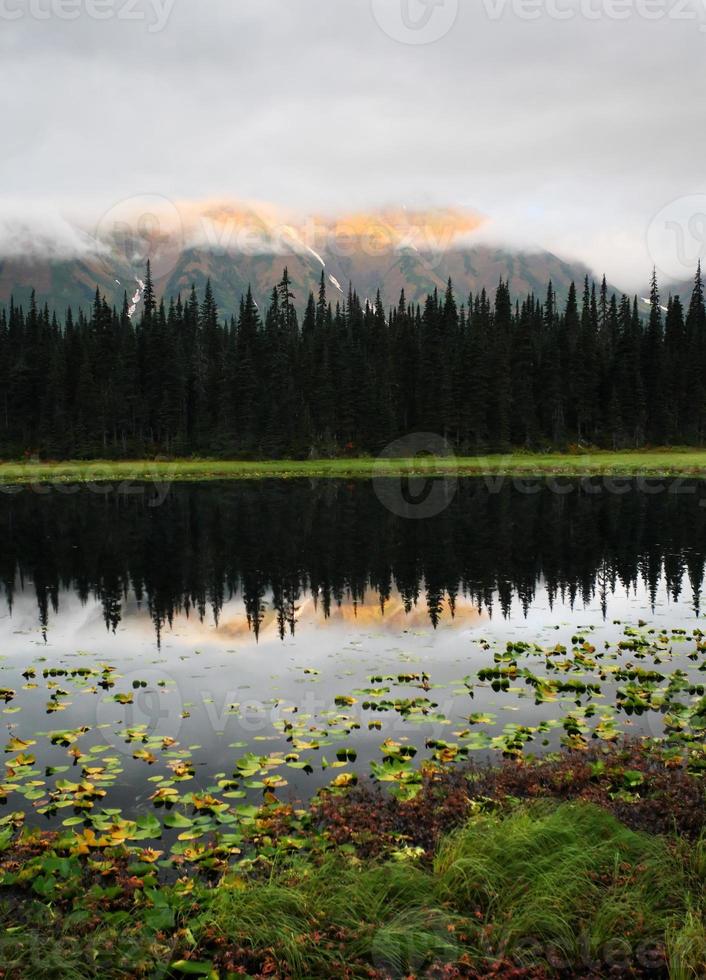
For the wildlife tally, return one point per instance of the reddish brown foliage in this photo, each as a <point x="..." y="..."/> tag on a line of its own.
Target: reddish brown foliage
<point x="669" y="799"/>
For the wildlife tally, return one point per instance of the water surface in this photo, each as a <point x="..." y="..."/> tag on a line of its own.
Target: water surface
<point x="307" y="622"/>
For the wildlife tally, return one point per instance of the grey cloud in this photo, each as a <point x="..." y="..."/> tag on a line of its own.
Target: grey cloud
<point x="42" y="232"/>
<point x="572" y="133"/>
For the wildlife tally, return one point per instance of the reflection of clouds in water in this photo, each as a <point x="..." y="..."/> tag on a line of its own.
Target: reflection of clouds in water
<point x="79" y="625"/>
<point x="74" y="618"/>
<point x="350" y="617"/>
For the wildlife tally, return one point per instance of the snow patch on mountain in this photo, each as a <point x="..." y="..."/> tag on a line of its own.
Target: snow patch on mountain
<point x="648" y="302"/>
<point x="136" y="298"/>
<point x="316" y="255"/>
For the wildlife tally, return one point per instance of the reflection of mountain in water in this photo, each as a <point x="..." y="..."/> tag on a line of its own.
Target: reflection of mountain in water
<point x="333" y="540"/>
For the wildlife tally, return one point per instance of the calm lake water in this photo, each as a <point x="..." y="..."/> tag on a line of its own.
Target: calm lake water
<point x="308" y="622"/>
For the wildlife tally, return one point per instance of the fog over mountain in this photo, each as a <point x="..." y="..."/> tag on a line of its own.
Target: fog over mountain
<point x="567" y="123"/>
<point x="236" y="245"/>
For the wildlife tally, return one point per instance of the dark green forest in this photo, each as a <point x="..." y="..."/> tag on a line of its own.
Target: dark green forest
<point x="486" y="372"/>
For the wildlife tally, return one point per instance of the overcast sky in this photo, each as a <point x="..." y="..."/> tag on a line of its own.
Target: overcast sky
<point x="573" y="132"/>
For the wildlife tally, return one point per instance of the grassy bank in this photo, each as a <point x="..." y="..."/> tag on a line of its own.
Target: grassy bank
<point x="547" y="869"/>
<point x="658" y="462"/>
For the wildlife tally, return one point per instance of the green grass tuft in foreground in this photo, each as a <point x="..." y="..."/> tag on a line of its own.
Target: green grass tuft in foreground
<point x="569" y="884"/>
<point x="543" y="887"/>
<point x="648" y="463"/>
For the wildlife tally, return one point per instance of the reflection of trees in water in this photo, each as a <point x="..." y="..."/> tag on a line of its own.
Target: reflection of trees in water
<point x="209" y="542"/>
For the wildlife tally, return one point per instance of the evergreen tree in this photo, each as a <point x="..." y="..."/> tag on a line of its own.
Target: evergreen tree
<point x="176" y="378"/>
<point x="653" y="368"/>
<point x="694" y="407"/>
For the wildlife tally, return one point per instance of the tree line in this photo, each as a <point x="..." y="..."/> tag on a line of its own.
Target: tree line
<point x="487" y="373"/>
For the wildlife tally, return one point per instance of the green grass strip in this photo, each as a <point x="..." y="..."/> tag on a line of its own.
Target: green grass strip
<point x="653" y="463"/>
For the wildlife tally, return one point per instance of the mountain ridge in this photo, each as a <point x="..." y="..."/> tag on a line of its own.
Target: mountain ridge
<point x="73" y="282"/>
<point x="236" y="246"/>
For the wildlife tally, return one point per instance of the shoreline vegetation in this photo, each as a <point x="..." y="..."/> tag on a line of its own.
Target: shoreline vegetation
<point x="663" y="462"/>
<point x="585" y="860"/>
<point x="582" y="864"/>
